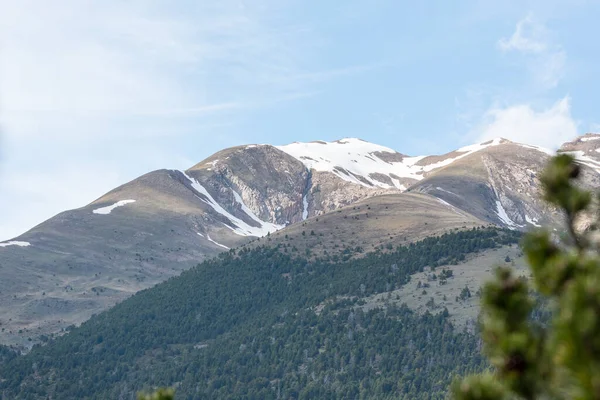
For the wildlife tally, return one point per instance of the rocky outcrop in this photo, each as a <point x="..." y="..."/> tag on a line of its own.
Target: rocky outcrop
<point x="328" y="193"/>
<point x="268" y="181"/>
<point x="499" y="184"/>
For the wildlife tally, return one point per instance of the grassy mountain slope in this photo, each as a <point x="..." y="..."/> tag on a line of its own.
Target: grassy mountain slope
<point x="81" y="262"/>
<point x="370" y="224"/>
<point x="434" y="290"/>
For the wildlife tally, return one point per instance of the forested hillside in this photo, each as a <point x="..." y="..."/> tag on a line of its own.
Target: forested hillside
<point x="6" y="354"/>
<point x="262" y="324"/>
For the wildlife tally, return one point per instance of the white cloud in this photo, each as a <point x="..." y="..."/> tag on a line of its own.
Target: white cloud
<point x="521" y="123"/>
<point x="545" y="60"/>
<point x="102" y="58"/>
<point x="550" y="69"/>
<point x="529" y="36"/>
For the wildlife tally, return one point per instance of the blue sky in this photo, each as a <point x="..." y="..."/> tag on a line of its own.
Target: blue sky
<point x="95" y="93"/>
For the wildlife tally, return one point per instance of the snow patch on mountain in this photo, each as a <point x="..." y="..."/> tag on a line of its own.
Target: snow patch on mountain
<point x="589" y="138"/>
<point x="585" y="160"/>
<point x="218" y="244"/>
<point x="450" y="206"/>
<point x="107" y="210"/>
<point x="503" y="215"/>
<point x="446" y="191"/>
<point x="238" y="226"/>
<point x="465" y="151"/>
<point x="267" y="226"/>
<point x="354" y="160"/>
<point x="397" y="184"/>
<point x="304" y="208"/>
<point x="360" y="162"/>
<point x="541" y="149"/>
<point x="532" y="221"/>
<point x="15" y="243"/>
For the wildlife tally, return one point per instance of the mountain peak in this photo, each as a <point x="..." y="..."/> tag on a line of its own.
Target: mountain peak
<point x="585" y="149"/>
<point x="349" y="140"/>
<point x="346" y="142"/>
<point x="588" y="137"/>
<point x="586" y="141"/>
<point x="482" y="145"/>
<point x="498" y="140"/>
<point x="355" y="160"/>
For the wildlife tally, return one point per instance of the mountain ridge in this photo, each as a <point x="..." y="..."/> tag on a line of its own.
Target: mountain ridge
<point x="85" y="260"/>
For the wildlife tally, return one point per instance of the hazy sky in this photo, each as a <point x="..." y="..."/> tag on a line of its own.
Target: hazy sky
<point x="95" y="93"/>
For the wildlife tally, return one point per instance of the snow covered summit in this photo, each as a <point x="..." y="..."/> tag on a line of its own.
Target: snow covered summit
<point x="356" y="161"/>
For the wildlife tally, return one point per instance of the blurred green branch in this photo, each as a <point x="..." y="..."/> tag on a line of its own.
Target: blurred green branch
<point x="562" y="360"/>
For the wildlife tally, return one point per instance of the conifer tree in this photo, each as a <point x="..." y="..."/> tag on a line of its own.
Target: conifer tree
<point x="560" y="359"/>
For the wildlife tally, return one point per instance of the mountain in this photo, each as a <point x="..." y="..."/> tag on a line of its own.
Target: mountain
<point x="586" y="149"/>
<point x="371" y="224"/>
<point x="498" y="183"/>
<point x="265" y="324"/>
<point x="83" y="261"/>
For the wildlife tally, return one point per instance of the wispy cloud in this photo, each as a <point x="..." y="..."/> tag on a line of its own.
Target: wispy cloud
<point x="545" y="59"/>
<point x="512" y="114"/>
<point x="529" y="36"/>
<point x="104" y="58"/>
<point x="114" y="57"/>
<point x="190" y="111"/>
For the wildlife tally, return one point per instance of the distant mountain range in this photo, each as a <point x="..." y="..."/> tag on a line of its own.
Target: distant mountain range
<point x="83" y="261"/>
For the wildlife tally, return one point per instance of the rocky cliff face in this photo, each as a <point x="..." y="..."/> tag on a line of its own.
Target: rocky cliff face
<point x="260" y="178"/>
<point x="83" y="261"/>
<point x="586" y="150"/>
<point x="499" y="184"/>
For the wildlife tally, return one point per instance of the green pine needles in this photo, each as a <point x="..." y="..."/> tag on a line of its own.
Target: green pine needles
<point x="560" y="360"/>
